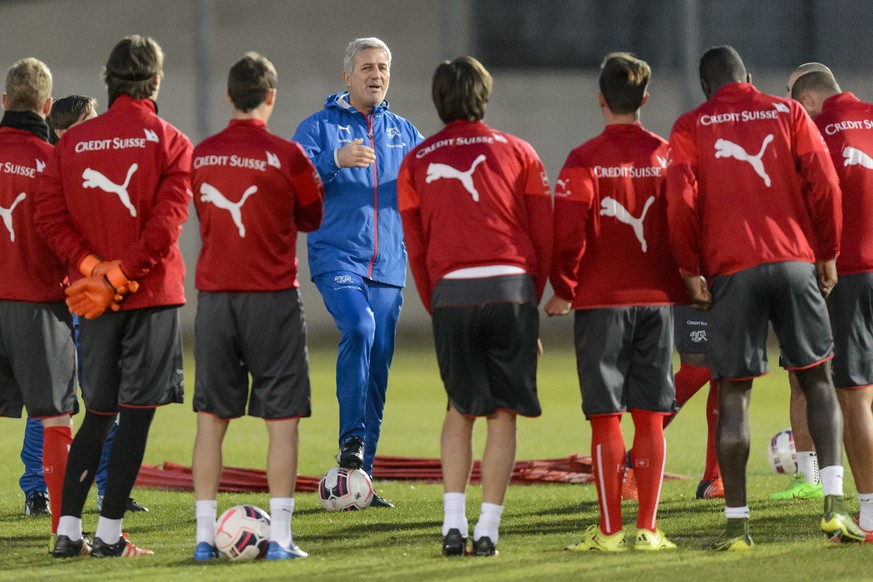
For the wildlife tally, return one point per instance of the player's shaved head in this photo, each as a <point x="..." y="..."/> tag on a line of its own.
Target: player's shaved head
<point x="803" y="69"/>
<point x="817" y="81"/>
<point x="812" y="89"/>
<point x="720" y="66"/>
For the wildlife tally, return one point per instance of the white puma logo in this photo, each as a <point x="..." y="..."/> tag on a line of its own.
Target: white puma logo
<point x="663" y="162"/>
<point x="6" y="214"/>
<point x="273" y="160"/>
<point x="212" y="194"/>
<point x="781" y="107"/>
<point x="609" y="206"/>
<point x="500" y="138"/>
<point x="94" y="179"/>
<point x="345" y="128"/>
<point x="438" y="171"/>
<point x="561" y="187"/>
<point x="151" y="135"/>
<point x="728" y="149"/>
<point x="856" y="157"/>
<point x="40" y="165"/>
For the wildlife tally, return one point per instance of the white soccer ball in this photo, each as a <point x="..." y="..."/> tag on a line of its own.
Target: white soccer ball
<point x="781" y="452"/>
<point x="343" y="489"/>
<point x="243" y="532"/>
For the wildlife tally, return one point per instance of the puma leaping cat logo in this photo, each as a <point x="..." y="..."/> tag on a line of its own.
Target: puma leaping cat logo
<point x="609" y="206"/>
<point x="6" y="213"/>
<point x="856" y="157"/>
<point x="728" y="149"/>
<point x="94" y="179"/>
<point x="210" y="193"/>
<point x="438" y="171"/>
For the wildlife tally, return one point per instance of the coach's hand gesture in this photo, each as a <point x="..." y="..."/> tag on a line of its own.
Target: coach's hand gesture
<point x="355" y="155"/>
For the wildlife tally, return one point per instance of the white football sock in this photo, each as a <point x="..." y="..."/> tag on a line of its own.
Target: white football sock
<point x="736" y="512"/>
<point x="807" y="465"/>
<point x="281" y="510"/>
<point x="108" y="530"/>
<point x="455" y="513"/>
<point x="489" y="522"/>
<point x="865" y="500"/>
<point x="205" y="510"/>
<point x="71" y="527"/>
<point x="832" y="480"/>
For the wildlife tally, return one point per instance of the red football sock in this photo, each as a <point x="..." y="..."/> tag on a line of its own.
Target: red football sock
<point x="689" y="379"/>
<point x="608" y="459"/>
<point x="711" y="471"/>
<point x="648" y="459"/>
<point x="55" y="449"/>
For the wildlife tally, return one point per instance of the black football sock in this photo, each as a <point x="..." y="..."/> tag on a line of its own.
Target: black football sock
<point x="83" y="460"/>
<point x="125" y="458"/>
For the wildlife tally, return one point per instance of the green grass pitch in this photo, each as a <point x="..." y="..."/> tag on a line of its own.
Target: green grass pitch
<point x="403" y="543"/>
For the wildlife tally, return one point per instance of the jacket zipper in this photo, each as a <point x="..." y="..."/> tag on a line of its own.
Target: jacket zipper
<point x="375" y="198"/>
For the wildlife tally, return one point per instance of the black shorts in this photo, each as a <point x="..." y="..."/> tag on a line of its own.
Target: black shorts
<point x="262" y="334"/>
<point x="37" y="360"/>
<point x="131" y="359"/>
<point x="690" y="330"/>
<point x="624" y="358"/>
<point x="850" y="306"/>
<point x="486" y="331"/>
<point x="785" y="294"/>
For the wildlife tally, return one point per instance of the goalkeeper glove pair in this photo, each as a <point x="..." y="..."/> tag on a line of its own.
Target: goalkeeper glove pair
<point x="103" y="286"/>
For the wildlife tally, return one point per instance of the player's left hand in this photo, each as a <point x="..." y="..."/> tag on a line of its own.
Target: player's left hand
<point x="557" y="306"/>
<point x="826" y="275"/>
<point x="90" y="297"/>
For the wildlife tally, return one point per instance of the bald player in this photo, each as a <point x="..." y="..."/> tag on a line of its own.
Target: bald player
<point x="805" y="484"/>
<point x="846" y="123"/>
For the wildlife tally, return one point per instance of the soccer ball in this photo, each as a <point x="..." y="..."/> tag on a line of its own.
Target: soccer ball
<point x="781" y="452"/>
<point x="243" y="532"/>
<point x="343" y="489"/>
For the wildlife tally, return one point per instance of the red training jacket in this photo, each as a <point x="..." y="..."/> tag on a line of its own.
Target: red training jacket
<point x="472" y="196"/>
<point x="612" y="248"/>
<point x="29" y="270"/>
<point x="118" y="187"/>
<point x="750" y="182"/>
<point x="252" y="192"/>
<point x="846" y="123"/>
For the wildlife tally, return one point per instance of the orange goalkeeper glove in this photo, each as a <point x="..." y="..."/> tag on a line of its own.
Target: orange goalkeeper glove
<point x="92" y="265"/>
<point x="90" y="297"/>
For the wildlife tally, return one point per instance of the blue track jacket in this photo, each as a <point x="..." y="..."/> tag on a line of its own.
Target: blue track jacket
<point x="361" y="231"/>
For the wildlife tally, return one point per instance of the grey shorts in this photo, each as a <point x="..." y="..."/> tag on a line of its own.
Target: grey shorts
<point x="624" y="358"/>
<point x="690" y="330"/>
<point x="131" y="359"/>
<point x="486" y="331"/>
<point x="259" y="334"/>
<point x="743" y="303"/>
<point x="850" y="306"/>
<point x="37" y="360"/>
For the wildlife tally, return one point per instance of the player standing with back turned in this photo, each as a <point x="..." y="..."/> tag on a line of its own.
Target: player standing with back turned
<point x="755" y="219"/>
<point x="613" y="266"/>
<point x="253" y="192"/>
<point x="477" y="216"/>
<point x="111" y="206"/>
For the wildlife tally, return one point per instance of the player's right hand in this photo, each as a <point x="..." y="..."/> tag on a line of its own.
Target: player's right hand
<point x="355" y="155"/>
<point x="698" y="290"/>
<point x="90" y="297"/>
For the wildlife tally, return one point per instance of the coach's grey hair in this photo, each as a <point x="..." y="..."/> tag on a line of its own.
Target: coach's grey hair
<point x="362" y="44"/>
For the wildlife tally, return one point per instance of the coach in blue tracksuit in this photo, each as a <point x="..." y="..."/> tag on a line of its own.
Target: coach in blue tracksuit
<point x="357" y="258"/>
